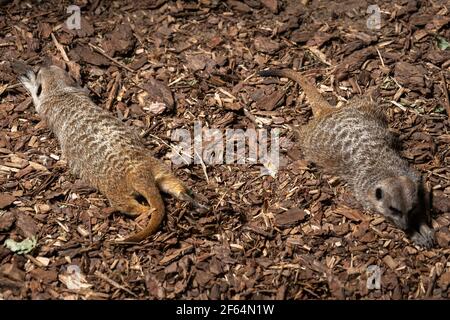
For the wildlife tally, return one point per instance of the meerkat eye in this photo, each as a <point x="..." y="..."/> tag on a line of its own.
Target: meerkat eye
<point x="39" y="90"/>
<point x="378" y="193"/>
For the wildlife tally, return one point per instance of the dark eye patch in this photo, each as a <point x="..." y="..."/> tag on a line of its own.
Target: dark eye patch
<point x="39" y="90"/>
<point x="378" y="193"/>
<point x="395" y="211"/>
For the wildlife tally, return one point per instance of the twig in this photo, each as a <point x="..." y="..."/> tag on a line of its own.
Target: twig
<point x="113" y="283"/>
<point x="176" y="80"/>
<point x="90" y="230"/>
<point x="381" y="58"/>
<point x="403" y="108"/>
<point x="431" y="283"/>
<point x="227" y="93"/>
<point x="137" y="85"/>
<point x="203" y="166"/>
<point x="319" y="54"/>
<point x="259" y="231"/>
<point x="249" y="77"/>
<point x="220" y="200"/>
<point x="3" y="89"/>
<point x="13" y="86"/>
<point x="103" y="53"/>
<point x="7" y="44"/>
<point x="60" y="48"/>
<point x="172" y="148"/>
<point x="397" y="104"/>
<point x="113" y="92"/>
<point x="35" y="261"/>
<point x="252" y="118"/>
<point x="445" y="90"/>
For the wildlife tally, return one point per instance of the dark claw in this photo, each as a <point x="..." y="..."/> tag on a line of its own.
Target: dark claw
<point x="190" y="197"/>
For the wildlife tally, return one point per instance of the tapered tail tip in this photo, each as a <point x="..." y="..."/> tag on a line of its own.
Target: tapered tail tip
<point x="271" y="73"/>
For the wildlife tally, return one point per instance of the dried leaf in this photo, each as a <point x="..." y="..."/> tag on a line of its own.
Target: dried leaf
<point x="23" y="247"/>
<point x="443" y="44"/>
<point x="74" y="279"/>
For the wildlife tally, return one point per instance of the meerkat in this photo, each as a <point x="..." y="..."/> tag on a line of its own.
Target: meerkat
<point x="103" y="151"/>
<point x="353" y="142"/>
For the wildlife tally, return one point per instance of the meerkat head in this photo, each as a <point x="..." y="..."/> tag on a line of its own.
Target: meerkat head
<point x="47" y="81"/>
<point x="396" y="198"/>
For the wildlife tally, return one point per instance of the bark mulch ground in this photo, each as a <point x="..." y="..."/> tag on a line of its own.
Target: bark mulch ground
<point x="163" y="65"/>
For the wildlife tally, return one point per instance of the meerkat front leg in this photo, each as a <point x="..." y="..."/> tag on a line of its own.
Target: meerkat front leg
<point x="423" y="237"/>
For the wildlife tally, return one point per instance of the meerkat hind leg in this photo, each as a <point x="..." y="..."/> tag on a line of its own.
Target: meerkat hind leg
<point x="128" y="204"/>
<point x="135" y="195"/>
<point x="169" y="183"/>
<point x="141" y="198"/>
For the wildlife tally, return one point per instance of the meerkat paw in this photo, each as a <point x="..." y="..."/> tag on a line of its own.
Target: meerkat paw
<point x="128" y="204"/>
<point x="190" y="197"/>
<point x="424" y="237"/>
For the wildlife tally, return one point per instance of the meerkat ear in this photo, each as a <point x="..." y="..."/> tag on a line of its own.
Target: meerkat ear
<point x="378" y="193"/>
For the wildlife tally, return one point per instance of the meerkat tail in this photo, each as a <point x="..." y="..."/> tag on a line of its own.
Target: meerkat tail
<point x="150" y="192"/>
<point x="318" y="103"/>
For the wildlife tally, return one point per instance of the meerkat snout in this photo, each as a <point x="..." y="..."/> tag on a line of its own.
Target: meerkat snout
<point x="30" y="82"/>
<point x="48" y="81"/>
<point x="396" y="198"/>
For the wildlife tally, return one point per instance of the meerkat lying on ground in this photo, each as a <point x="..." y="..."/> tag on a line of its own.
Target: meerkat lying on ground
<point x="354" y="143"/>
<point x="102" y="150"/>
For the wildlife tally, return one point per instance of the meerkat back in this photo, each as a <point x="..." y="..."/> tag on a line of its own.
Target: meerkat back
<point x="102" y="150"/>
